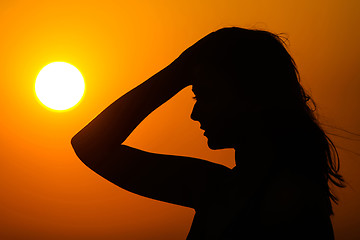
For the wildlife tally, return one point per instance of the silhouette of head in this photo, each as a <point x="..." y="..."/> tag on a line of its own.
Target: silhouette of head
<point x="243" y="81"/>
<point x="247" y="86"/>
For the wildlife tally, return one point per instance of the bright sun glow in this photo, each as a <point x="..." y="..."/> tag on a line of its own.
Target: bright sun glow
<point x="59" y="86"/>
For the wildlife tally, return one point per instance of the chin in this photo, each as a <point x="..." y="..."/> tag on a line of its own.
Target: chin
<point x="216" y="145"/>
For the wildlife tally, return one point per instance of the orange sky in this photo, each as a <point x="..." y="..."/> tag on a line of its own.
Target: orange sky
<point x="47" y="193"/>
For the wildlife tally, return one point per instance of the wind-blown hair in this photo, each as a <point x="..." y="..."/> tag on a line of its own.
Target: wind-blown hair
<point x="255" y="64"/>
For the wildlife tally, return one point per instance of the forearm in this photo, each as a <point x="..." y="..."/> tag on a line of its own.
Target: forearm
<point x="113" y="125"/>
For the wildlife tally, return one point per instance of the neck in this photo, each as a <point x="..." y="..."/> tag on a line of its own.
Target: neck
<point x="255" y="155"/>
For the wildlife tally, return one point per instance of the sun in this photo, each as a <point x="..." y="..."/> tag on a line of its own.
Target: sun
<point x="59" y="86"/>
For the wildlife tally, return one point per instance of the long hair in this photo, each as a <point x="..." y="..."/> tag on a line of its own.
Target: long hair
<point x="257" y="65"/>
<point x="329" y="161"/>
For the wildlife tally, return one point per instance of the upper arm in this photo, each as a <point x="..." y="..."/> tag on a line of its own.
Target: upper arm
<point x="174" y="179"/>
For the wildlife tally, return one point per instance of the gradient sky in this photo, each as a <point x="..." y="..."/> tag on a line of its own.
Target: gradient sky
<point x="48" y="193"/>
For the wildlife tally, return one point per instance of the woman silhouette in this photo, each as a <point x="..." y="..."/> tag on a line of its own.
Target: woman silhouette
<point x="248" y="97"/>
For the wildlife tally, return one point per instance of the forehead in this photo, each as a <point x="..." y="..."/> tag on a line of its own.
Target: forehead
<point x="211" y="86"/>
<point x="205" y="80"/>
<point x="203" y="89"/>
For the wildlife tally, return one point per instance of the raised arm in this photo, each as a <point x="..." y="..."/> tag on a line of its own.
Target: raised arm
<point x="174" y="179"/>
<point x="112" y="126"/>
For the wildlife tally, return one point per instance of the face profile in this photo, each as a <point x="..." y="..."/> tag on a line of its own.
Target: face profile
<point x="226" y="120"/>
<point x="229" y="104"/>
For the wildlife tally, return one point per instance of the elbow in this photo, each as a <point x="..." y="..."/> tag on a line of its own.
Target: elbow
<point x="81" y="150"/>
<point x="88" y="151"/>
<point x="75" y="144"/>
